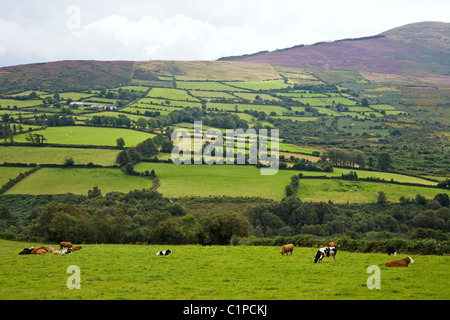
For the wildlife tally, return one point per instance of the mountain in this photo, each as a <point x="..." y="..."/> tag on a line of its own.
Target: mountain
<point x="65" y="75"/>
<point x="421" y="49"/>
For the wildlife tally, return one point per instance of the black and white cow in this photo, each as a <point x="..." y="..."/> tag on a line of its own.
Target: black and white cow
<point x="66" y="251"/>
<point x="27" y="251"/>
<point x="325" y="252"/>
<point x="390" y="249"/>
<point x="164" y="253"/>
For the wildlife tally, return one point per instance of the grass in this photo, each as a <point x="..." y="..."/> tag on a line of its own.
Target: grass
<point x="97" y="136"/>
<point x="217" y="180"/>
<point x="7" y="173"/>
<point x="49" y="155"/>
<point x="78" y="181"/>
<point x="342" y="191"/>
<point x="193" y="272"/>
<point x="5" y="103"/>
<point x="171" y="94"/>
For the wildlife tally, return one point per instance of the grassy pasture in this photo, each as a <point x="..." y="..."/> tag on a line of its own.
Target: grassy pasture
<point x="4" y="103"/>
<point x="193" y="272"/>
<point x="7" y="173"/>
<point x="260" y="85"/>
<point x="205" y="85"/>
<point x="171" y="94"/>
<point x="78" y="181"/>
<point x="341" y="191"/>
<point x="49" y="155"/>
<point x="81" y="135"/>
<point x="217" y="180"/>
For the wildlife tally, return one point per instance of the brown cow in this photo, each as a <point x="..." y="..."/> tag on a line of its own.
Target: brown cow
<point x="286" y="249"/>
<point x="64" y="245"/>
<point x="399" y="263"/>
<point x="39" y="251"/>
<point x="333" y="244"/>
<point x="75" y="248"/>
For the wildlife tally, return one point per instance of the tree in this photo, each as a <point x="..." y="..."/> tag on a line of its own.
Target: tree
<point x="120" y="143"/>
<point x="221" y="226"/>
<point x="384" y="161"/>
<point x="443" y="199"/>
<point x="68" y="161"/>
<point x="381" y="198"/>
<point x="95" y="192"/>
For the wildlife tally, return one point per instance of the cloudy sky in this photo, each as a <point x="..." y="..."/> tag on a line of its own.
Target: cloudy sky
<point x="40" y="31"/>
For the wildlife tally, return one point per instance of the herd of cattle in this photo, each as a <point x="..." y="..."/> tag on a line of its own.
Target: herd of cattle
<point x="331" y="250"/>
<point x="44" y="249"/>
<point x="323" y="252"/>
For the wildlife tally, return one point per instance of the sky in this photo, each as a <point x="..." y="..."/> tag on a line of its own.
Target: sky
<point x="34" y="31"/>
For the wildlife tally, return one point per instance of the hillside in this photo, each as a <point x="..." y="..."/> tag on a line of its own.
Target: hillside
<point x="414" y="49"/>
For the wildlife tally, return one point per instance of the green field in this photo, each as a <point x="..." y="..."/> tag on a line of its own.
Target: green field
<point x="341" y="191"/>
<point x="232" y="180"/>
<point x="217" y="180"/>
<point x="193" y="272"/>
<point x="48" y="155"/>
<point x="80" y="135"/>
<point x="7" y="173"/>
<point x="171" y="94"/>
<point x="78" y="181"/>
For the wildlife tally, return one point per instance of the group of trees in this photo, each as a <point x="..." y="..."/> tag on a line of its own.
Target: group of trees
<point x="104" y="121"/>
<point x="344" y="158"/>
<point x="144" y="216"/>
<point x="137" y="217"/>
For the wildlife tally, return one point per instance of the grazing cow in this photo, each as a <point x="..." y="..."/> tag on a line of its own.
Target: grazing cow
<point x="75" y="248"/>
<point x="27" y="251"/>
<point x="390" y="249"/>
<point x="286" y="249"/>
<point x="164" y="253"/>
<point x="325" y="252"/>
<point x="206" y="243"/>
<point x="333" y="244"/>
<point x="399" y="263"/>
<point x="64" y="245"/>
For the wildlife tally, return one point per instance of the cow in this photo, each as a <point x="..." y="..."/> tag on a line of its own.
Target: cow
<point x="66" y="251"/>
<point x="164" y="253"/>
<point x="27" y="250"/>
<point x="390" y="249"/>
<point x="41" y="250"/>
<point x="286" y="249"/>
<point x="400" y="263"/>
<point x="64" y="245"/>
<point x="76" y="248"/>
<point x="325" y="252"/>
<point x="206" y="243"/>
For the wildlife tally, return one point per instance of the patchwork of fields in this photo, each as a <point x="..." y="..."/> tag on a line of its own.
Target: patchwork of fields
<point x="243" y="98"/>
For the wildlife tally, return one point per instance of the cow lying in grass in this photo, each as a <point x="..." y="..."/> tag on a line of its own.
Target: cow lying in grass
<point x="164" y="253"/>
<point x="400" y="263"/>
<point x="44" y="249"/>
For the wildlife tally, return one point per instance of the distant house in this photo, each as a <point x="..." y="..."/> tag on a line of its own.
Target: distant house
<point x="90" y="105"/>
<point x="111" y="107"/>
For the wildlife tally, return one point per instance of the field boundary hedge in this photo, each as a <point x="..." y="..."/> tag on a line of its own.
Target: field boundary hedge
<point x="403" y="245"/>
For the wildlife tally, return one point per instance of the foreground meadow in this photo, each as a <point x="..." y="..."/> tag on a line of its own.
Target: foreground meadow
<point x="194" y="272"/>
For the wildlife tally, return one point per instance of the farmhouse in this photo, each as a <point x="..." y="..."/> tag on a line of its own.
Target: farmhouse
<point x="89" y="105"/>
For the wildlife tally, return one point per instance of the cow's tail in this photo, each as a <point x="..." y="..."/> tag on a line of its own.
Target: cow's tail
<point x="317" y="256"/>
